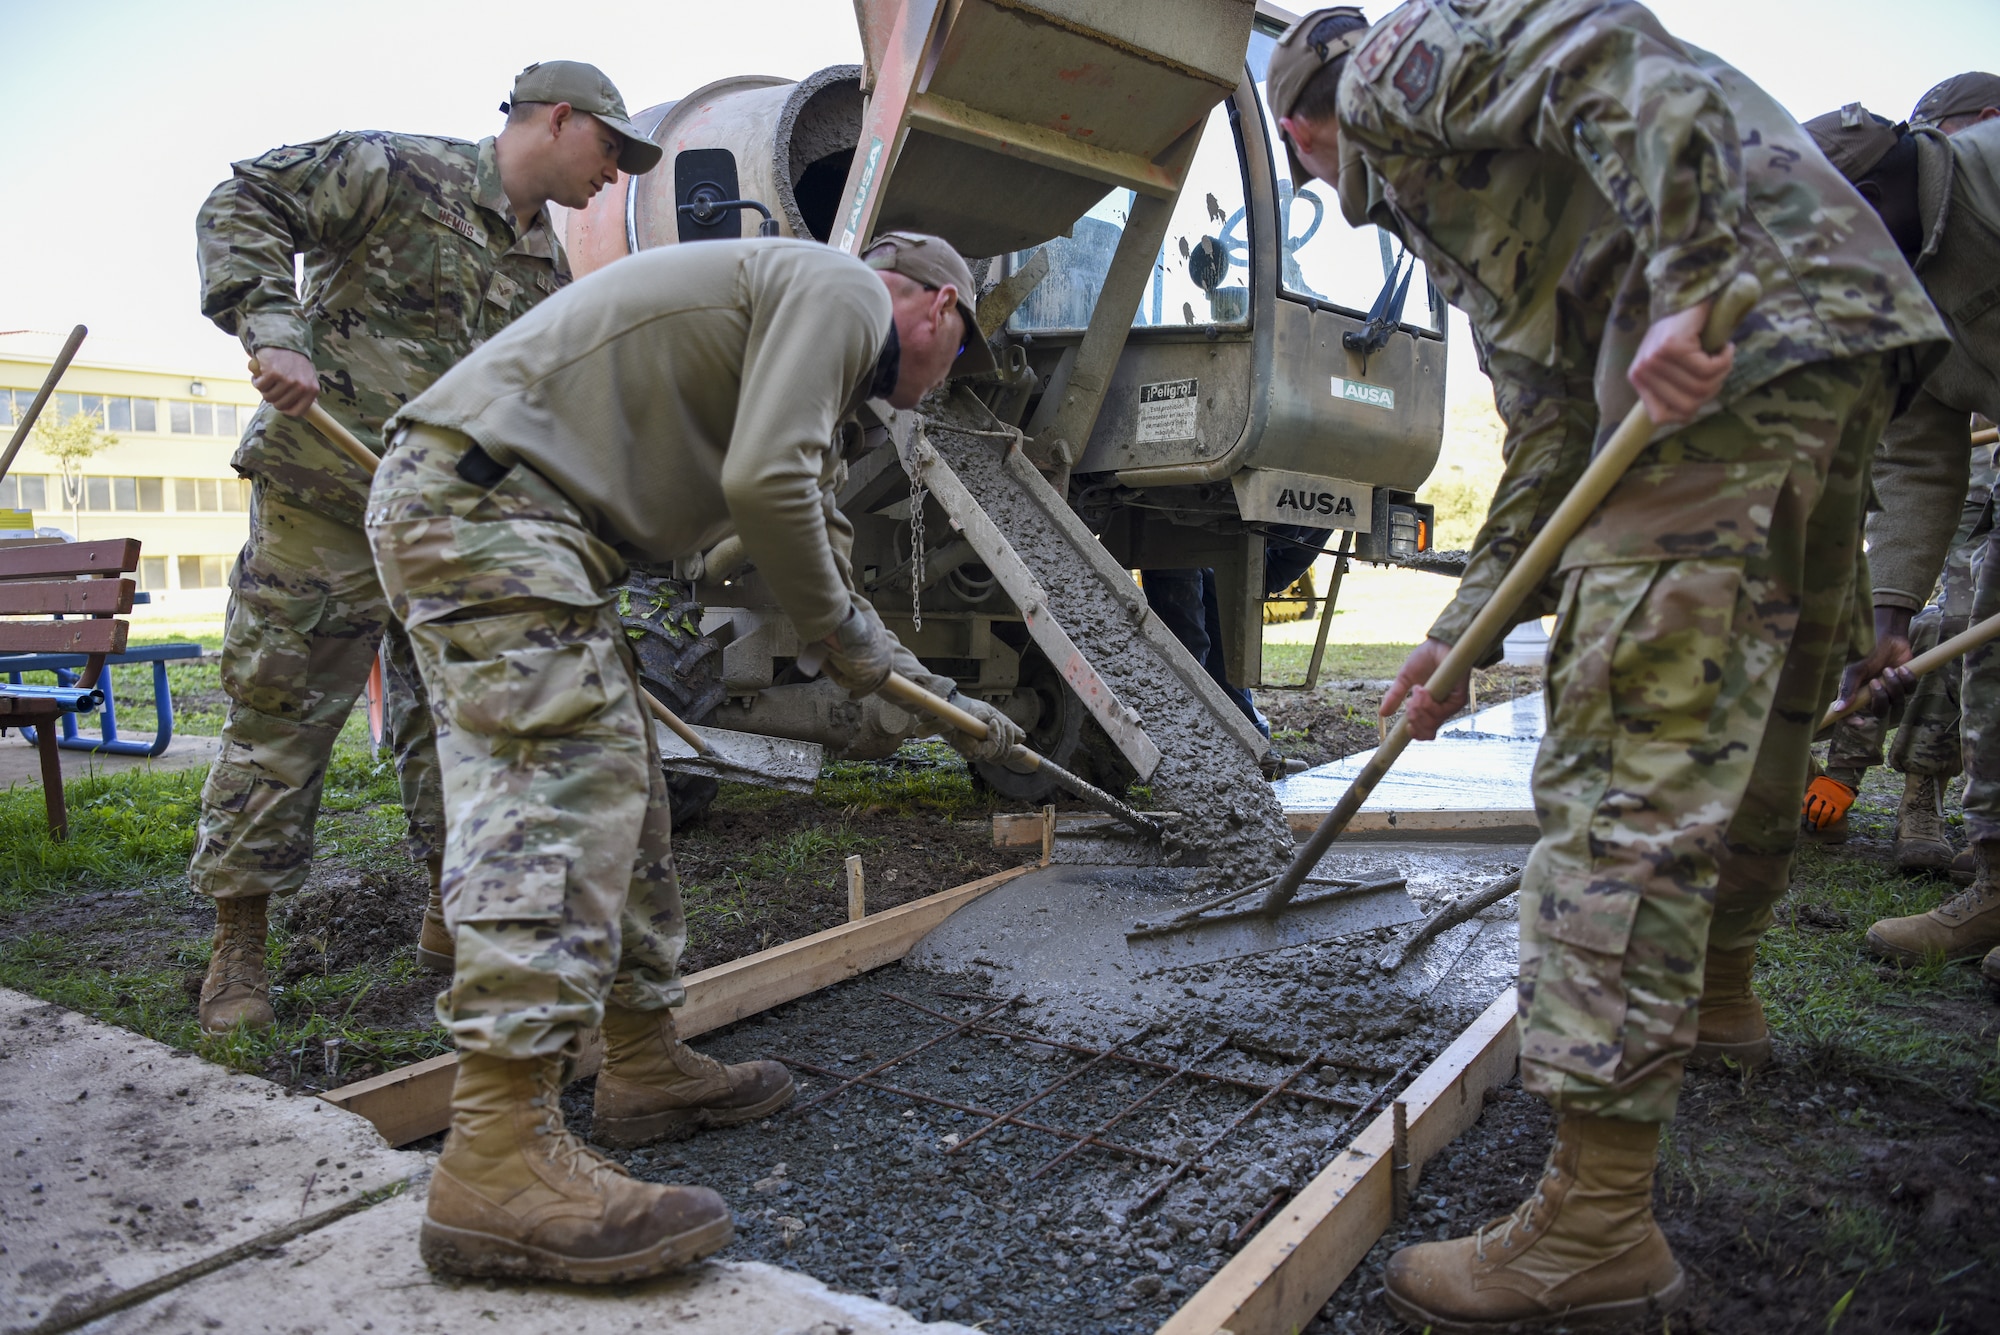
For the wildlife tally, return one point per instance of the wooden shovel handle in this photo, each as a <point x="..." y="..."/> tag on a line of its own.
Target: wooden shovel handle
<point x="322" y="421"/>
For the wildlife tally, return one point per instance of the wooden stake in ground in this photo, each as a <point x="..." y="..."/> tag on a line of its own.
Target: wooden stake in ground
<point x="857" y="891"/>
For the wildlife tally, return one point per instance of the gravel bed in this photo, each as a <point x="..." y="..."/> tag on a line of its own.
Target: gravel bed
<point x="935" y="1210"/>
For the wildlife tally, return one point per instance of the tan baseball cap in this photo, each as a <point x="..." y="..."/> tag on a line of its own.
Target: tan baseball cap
<point x="585" y="88"/>
<point x="1854" y="138"/>
<point x="932" y="261"/>
<point x="1308" y="46"/>
<point x="1960" y="95"/>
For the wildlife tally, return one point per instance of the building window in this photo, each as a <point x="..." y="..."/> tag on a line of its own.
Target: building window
<point x="207" y="493"/>
<point x="153" y="573"/>
<point x="22" y="492"/>
<point x="124" y="493"/>
<point x="201" y="419"/>
<point x="204" y="572"/>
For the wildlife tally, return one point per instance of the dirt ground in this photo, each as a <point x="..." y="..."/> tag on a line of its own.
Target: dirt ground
<point x="1339" y="717"/>
<point x="1852" y="1186"/>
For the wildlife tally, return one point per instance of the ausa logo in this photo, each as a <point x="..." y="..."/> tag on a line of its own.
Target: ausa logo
<point x="1360" y="391"/>
<point x="1303" y="502"/>
<point x="1271" y="496"/>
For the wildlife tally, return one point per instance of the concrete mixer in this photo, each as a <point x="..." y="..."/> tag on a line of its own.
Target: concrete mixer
<point x="1199" y="365"/>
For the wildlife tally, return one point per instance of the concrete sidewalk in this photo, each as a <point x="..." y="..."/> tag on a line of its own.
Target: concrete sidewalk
<point x="21" y="764"/>
<point x="144" y="1189"/>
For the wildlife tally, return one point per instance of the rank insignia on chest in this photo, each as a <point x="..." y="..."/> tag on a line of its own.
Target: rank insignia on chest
<point x="502" y="291"/>
<point x="1416" y="77"/>
<point x="547" y="282"/>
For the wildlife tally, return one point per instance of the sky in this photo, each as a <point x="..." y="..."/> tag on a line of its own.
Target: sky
<point x="126" y="113"/>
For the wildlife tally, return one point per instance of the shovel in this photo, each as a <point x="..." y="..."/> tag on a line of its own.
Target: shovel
<point x="1248" y="932"/>
<point x="905" y="691"/>
<point x="723" y="753"/>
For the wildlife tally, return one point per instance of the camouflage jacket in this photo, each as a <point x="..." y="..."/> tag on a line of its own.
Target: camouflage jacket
<point x="1921" y="467"/>
<point x="411" y="261"/>
<point x="1570" y="172"/>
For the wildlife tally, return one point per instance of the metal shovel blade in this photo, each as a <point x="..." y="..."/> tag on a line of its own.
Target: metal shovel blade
<point x="1233" y="934"/>
<point x="744" y="757"/>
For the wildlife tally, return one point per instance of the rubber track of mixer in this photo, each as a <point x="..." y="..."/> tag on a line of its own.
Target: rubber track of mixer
<point x="1230" y="816"/>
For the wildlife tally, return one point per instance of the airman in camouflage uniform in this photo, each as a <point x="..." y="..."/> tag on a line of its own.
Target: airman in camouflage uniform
<point x="1582" y="184"/>
<point x="1939" y="195"/>
<point x="415" y="249"/>
<point x="648" y="412"/>
<point x="1926" y="749"/>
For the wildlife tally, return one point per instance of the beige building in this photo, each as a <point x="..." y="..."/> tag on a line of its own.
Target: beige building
<point x="167" y="480"/>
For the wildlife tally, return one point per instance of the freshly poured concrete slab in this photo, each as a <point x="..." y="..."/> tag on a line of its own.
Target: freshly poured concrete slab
<point x="1473" y="781"/>
<point x="363" y="1274"/>
<point x="123" y="1160"/>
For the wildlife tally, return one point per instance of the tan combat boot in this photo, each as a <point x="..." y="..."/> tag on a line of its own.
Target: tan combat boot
<point x="654" y="1087"/>
<point x="237" y="990"/>
<point x="435" y="948"/>
<point x="516" y="1196"/>
<point x="1964" y="927"/>
<point x="1922" y="842"/>
<point x="1583" y="1250"/>
<point x="1732" y="1018"/>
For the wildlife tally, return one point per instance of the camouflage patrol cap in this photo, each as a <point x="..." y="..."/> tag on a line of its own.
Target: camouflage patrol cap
<point x="1307" y="47"/>
<point x="932" y="261"/>
<point x="1854" y="138"/>
<point x="1960" y="95"/>
<point x="585" y="88"/>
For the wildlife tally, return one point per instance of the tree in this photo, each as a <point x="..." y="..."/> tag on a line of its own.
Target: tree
<point x="71" y="441"/>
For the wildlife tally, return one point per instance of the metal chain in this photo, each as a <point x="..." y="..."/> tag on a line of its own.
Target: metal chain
<point x="917" y="494"/>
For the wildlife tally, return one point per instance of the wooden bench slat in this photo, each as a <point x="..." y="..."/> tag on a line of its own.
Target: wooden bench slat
<point x="63" y="637"/>
<point x="72" y="597"/>
<point x="112" y="556"/>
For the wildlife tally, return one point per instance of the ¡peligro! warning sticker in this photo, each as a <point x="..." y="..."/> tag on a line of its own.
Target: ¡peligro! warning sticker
<point x="1167" y="410"/>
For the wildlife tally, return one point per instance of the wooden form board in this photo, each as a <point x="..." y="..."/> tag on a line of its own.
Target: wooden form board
<point x="1019" y="829"/>
<point x="1485" y="823"/>
<point x="414" y="1101"/>
<point x="1285" y="1274"/>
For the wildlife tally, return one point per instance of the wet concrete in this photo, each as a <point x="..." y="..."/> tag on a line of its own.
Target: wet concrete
<point x="1228" y="817"/>
<point x="1056" y="936"/>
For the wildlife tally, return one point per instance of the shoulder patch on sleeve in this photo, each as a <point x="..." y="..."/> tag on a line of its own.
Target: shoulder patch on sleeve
<point x="1383" y="43"/>
<point x="291" y="155"/>
<point x="1416" y="78"/>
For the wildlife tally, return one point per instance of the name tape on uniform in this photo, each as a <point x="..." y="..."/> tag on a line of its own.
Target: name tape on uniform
<point x="1168" y="411"/>
<point x="1265" y="495"/>
<point x="1360" y="391"/>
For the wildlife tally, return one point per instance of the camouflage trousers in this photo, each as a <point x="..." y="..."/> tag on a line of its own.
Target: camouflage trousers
<point x="559" y="883"/>
<point x="306" y="615"/>
<point x="1682" y="697"/>
<point x="1927" y="736"/>
<point x="1980" y="696"/>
